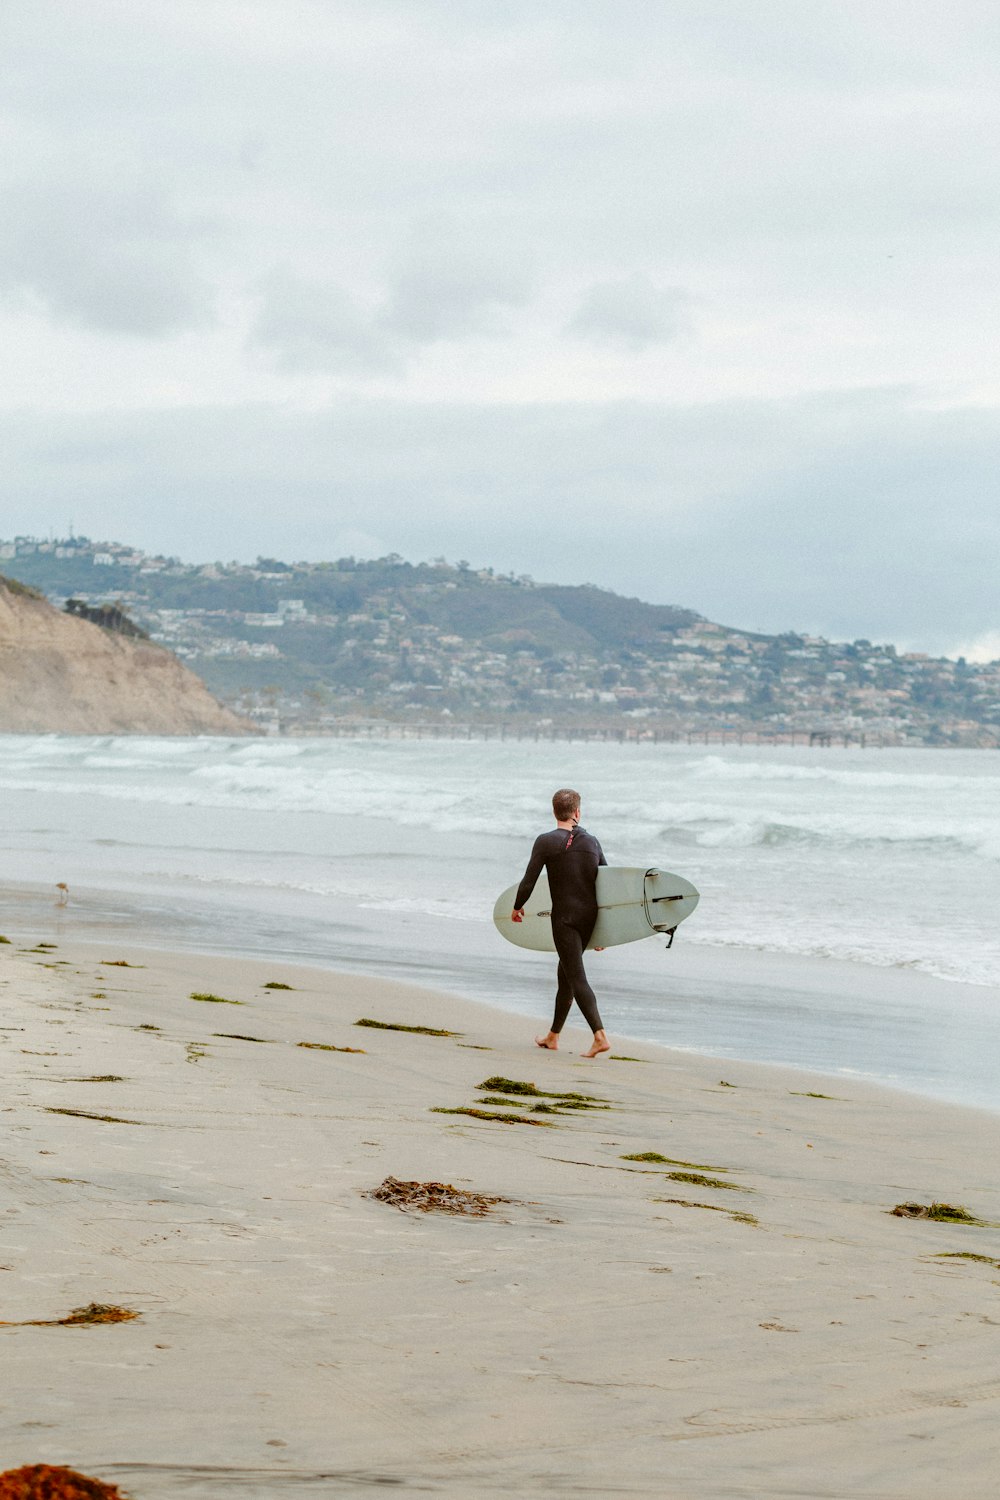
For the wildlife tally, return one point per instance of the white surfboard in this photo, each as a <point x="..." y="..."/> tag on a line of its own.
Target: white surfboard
<point x="631" y="904"/>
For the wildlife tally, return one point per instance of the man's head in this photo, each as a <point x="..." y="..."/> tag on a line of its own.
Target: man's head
<point x="566" y="804"/>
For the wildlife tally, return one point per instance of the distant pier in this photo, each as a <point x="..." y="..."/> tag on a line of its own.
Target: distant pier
<point x="388" y="729"/>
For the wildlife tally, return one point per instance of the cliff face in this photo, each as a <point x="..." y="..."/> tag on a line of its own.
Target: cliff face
<point x="62" y="675"/>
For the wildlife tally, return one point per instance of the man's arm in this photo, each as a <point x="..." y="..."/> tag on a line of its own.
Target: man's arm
<point x="529" y="880"/>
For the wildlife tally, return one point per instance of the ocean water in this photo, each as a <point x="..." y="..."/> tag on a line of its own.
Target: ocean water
<point x="850" y="899"/>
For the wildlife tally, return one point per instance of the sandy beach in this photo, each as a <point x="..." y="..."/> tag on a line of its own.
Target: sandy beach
<point x="618" y="1327"/>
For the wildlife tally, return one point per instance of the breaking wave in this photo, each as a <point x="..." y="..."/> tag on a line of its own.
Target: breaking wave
<point x="885" y="858"/>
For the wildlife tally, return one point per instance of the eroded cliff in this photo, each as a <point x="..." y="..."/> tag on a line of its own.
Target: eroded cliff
<point x="60" y="674"/>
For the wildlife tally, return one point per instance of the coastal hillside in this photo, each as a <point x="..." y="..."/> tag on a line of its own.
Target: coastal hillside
<point x="312" y="647"/>
<point x="62" y="674"/>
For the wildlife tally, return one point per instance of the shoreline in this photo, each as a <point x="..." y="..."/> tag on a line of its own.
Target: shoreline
<point x="893" y="1026"/>
<point x="761" y="1324"/>
<point x="721" y="962"/>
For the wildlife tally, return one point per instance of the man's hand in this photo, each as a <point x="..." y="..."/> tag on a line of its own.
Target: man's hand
<point x="517" y="915"/>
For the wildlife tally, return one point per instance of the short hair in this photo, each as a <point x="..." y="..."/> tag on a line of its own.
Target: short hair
<point x="565" y="803"/>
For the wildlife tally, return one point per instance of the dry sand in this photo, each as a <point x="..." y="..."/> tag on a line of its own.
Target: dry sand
<point x="593" y="1337"/>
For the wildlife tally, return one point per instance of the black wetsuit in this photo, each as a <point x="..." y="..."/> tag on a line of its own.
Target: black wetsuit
<point x="571" y="860"/>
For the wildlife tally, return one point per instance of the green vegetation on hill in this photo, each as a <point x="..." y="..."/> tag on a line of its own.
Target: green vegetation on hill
<point x="497" y="609"/>
<point x="108" y="616"/>
<point x="306" y="644"/>
<point x="16" y="586"/>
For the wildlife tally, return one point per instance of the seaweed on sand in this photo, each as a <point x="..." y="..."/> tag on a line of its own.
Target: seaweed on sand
<point x="207" y="998"/>
<point x="119" y="963"/>
<point x="239" y="1036"/>
<point x="543" y="1108"/>
<point x="329" y="1047"/>
<point x="986" y="1260"/>
<point x="48" y="1482"/>
<point x="276" y="984"/>
<point x="732" y="1213"/>
<point x="94" y="1312"/>
<point x="498" y="1084"/>
<point x="484" y="1114"/>
<point x="86" y="1114"/>
<point x="434" y="1197"/>
<point x="672" y="1161"/>
<point x="398" y="1026"/>
<point x="4" y="939"/>
<point x="700" y="1180"/>
<point x="564" y="1103"/>
<point x="941" y="1213"/>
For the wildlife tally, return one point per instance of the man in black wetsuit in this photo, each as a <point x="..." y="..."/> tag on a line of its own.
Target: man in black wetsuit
<point x="571" y="856"/>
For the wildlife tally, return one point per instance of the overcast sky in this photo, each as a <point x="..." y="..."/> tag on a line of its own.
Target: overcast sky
<point x="692" y="299"/>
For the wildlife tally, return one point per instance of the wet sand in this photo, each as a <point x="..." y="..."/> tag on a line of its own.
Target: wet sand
<point x="614" y="1329"/>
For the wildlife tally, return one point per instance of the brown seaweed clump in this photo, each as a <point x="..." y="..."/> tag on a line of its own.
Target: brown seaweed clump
<point x="942" y="1213"/>
<point x="43" y="1482"/>
<point x="94" y="1312"/>
<point x="434" y="1197"/>
<point x="97" y="1312"/>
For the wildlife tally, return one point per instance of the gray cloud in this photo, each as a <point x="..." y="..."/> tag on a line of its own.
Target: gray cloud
<point x="632" y="314"/>
<point x="109" y="255"/>
<point x="444" y="293"/>
<point x="307" y="326"/>
<point x="447" y="287"/>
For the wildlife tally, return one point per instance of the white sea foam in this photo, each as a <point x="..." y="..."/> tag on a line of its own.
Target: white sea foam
<point x="887" y="858"/>
<point x="452" y="911"/>
<point x="719" y="768"/>
<point x="277" y="779"/>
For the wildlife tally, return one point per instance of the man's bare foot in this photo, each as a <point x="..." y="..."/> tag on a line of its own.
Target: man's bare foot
<point x="550" y="1041"/>
<point x="600" y="1044"/>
